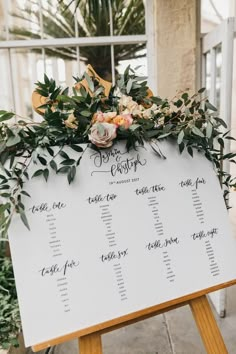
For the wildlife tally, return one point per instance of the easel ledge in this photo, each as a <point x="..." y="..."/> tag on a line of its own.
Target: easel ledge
<point x="90" y="338"/>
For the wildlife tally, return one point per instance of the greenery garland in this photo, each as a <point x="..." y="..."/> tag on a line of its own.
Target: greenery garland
<point x="87" y="115"/>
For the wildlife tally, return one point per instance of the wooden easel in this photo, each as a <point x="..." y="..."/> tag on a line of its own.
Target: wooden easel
<point x="90" y="341"/>
<point x="209" y="331"/>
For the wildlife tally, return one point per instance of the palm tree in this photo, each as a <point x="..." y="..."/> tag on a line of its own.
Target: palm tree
<point x="92" y="20"/>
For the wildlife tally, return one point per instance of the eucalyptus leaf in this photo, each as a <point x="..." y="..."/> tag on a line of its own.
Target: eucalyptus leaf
<point x="180" y="137"/>
<point x="13" y="140"/>
<point x="24" y="219"/>
<point x="197" y="131"/>
<point x="6" y="116"/>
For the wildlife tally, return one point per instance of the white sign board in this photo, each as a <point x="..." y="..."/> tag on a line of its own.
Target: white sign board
<point x="131" y="232"/>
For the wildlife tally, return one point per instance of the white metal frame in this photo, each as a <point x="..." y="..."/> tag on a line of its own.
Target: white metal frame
<point x="223" y="35"/>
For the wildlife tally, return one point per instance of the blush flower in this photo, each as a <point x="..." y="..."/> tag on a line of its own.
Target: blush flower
<point x="123" y="120"/>
<point x="102" y="134"/>
<point x="101" y="117"/>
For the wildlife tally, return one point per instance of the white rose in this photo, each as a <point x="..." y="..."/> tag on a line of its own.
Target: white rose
<point x="128" y="106"/>
<point x="102" y="134"/>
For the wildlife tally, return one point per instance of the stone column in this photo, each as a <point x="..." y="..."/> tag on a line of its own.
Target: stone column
<point x="178" y="45"/>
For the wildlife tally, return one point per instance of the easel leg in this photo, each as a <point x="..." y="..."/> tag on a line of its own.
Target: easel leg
<point x="90" y="344"/>
<point x="207" y="326"/>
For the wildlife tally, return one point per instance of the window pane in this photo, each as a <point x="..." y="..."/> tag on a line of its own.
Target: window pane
<point x="5" y="87"/>
<point x="24" y="76"/>
<point x="131" y="55"/>
<point x="54" y="19"/>
<point x="128" y="17"/>
<point x="100" y="59"/>
<point x="42" y="19"/>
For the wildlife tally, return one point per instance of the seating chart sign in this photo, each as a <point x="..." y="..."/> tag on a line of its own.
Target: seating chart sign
<point x="132" y="231"/>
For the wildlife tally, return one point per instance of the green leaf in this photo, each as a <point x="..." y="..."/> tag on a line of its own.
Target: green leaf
<point x="51" y="152"/>
<point x="5" y="186"/>
<point x="25" y="193"/>
<point x="178" y="103"/>
<point x="201" y="90"/>
<point x="2" y="112"/>
<point x="5" y="195"/>
<point x="77" y="148"/>
<point x="42" y="160"/>
<point x="85" y="113"/>
<point x="37" y="173"/>
<point x="6" y="116"/>
<point x="197" y="131"/>
<point x="181" y="147"/>
<point x="4" y="207"/>
<point x="64" y="155"/>
<point x="78" y="161"/>
<point x="221" y="142"/>
<point x="180" y="137"/>
<point x="209" y="130"/>
<point x="133" y="127"/>
<point x="68" y="162"/>
<point x="24" y="219"/>
<point x="129" y="85"/>
<point x="221" y="121"/>
<point x="185" y="96"/>
<point x="46" y="174"/>
<point x="190" y="150"/>
<point x="210" y="106"/>
<point x="13" y="140"/>
<point x="46" y="79"/>
<point x="63" y="169"/>
<point x="53" y="165"/>
<point x="89" y="81"/>
<point x="71" y="174"/>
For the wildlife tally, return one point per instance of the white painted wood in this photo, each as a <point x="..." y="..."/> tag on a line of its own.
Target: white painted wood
<point x="223" y="35"/>
<point x="68" y="42"/>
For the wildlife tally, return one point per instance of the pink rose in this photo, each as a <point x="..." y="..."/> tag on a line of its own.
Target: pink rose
<point x="102" y="134"/>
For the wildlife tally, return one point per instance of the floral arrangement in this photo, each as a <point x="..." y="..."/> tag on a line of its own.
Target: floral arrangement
<point x="98" y="116"/>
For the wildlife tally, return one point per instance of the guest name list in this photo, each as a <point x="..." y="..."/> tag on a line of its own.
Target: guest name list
<point x="131" y="232"/>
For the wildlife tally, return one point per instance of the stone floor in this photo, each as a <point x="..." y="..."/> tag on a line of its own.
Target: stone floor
<point x="174" y="332"/>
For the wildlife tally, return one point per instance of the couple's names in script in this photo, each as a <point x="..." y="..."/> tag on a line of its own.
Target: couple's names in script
<point x="120" y="162"/>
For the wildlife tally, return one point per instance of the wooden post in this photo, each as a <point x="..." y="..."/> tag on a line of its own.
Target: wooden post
<point x="207" y="326"/>
<point x="90" y="344"/>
